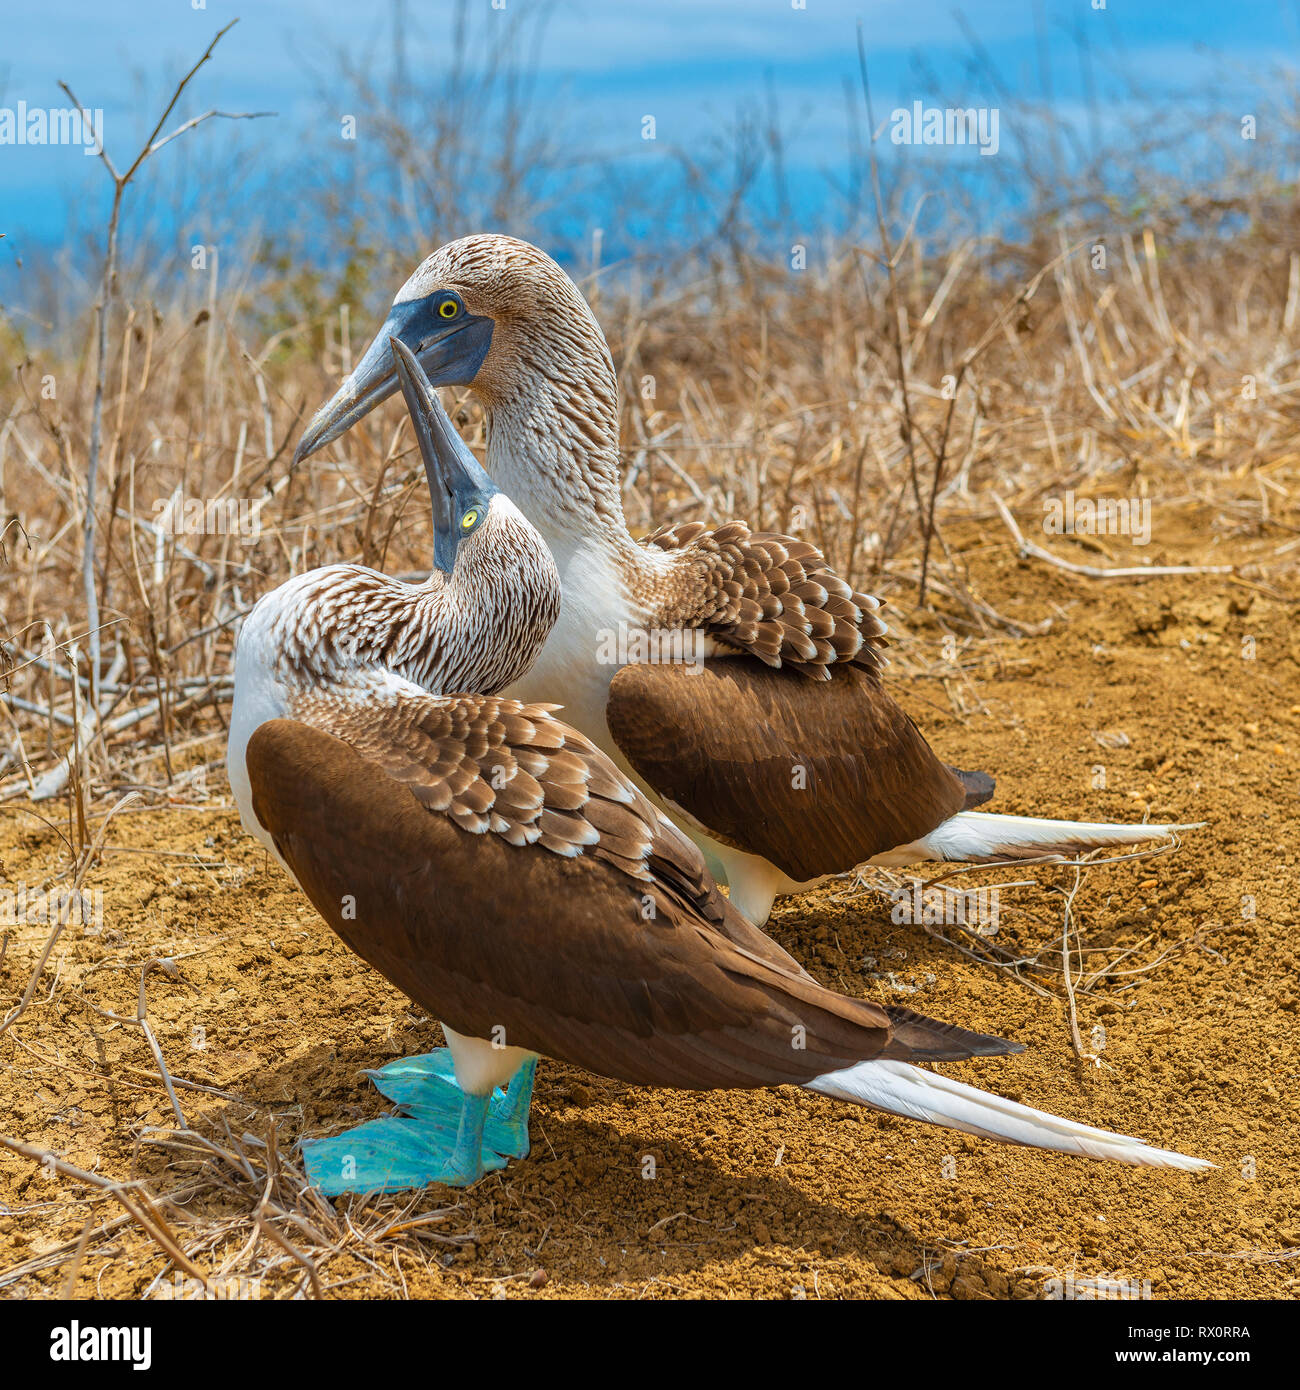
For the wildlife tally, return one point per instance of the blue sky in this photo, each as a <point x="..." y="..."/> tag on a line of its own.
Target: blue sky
<point x="606" y="63"/>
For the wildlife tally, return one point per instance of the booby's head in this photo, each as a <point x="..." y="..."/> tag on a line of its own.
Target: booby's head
<point x="499" y="592"/>
<point x="460" y="490"/>
<point x="489" y="312"/>
<point x="478" y="625"/>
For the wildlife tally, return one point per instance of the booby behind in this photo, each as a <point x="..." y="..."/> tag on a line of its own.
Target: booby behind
<point x="784" y="757"/>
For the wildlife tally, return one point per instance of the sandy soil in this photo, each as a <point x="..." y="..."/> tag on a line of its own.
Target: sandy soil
<point x="780" y="1193"/>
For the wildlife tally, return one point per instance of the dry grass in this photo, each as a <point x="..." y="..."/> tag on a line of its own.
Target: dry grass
<point x="870" y="402"/>
<point x="779" y="399"/>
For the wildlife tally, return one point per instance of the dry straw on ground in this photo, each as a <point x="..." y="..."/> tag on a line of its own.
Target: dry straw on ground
<point x="891" y="402"/>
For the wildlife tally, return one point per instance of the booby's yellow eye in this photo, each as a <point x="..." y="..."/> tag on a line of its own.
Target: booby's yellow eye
<point x="448" y="309"/>
<point x="468" y="521"/>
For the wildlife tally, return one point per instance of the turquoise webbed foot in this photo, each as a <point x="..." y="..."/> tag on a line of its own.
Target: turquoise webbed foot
<point x="442" y="1136"/>
<point x="507" y="1126"/>
<point x="423" y="1085"/>
<point x="426" y="1086"/>
<point x="398" y="1152"/>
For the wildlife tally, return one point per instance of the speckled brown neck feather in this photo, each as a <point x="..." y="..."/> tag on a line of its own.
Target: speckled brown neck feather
<point x="480" y="630"/>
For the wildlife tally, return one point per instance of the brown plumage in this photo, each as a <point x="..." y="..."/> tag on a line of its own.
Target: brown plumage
<point x="499" y="869"/>
<point x="802" y="645"/>
<point x="603" y="943"/>
<point x="732" y="746"/>
<point x="767" y="595"/>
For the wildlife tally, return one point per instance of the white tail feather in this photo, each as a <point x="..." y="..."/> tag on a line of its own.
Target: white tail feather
<point x="975" y="837"/>
<point x="902" y="1089"/>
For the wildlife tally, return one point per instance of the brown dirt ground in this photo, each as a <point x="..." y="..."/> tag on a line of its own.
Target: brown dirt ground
<point x="1201" y="1049"/>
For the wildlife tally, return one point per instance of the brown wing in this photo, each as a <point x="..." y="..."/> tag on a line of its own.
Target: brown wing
<point x="498" y="765"/>
<point x="563" y="949"/>
<point x="771" y="596"/>
<point x="814" y="778"/>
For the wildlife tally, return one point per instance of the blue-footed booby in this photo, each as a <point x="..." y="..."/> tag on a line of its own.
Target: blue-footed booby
<point x="493" y="864"/>
<point x="778" y="750"/>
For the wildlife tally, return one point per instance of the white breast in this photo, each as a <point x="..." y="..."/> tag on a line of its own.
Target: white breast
<point x="265" y="688"/>
<point x="595" y="601"/>
<point x="259" y="696"/>
<point x="573" y="669"/>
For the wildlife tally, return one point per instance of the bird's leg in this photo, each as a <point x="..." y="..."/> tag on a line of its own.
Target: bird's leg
<point x="752" y="882"/>
<point x="465" y="1165"/>
<point x="507" y="1127"/>
<point x="426" y="1088"/>
<point x="423" y="1144"/>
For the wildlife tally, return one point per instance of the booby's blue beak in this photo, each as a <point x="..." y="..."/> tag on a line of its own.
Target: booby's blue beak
<point x="449" y="341"/>
<point x="459" y="486"/>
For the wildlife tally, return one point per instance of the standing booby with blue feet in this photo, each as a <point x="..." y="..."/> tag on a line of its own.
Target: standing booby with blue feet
<point x="495" y="865"/>
<point x="779" y="752"/>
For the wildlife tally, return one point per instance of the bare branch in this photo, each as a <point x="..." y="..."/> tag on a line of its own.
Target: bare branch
<point x="101" y="151"/>
<point x="176" y="96"/>
<point x="207" y="116"/>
